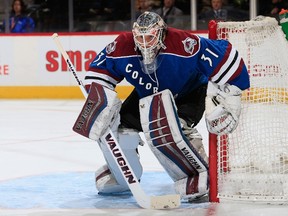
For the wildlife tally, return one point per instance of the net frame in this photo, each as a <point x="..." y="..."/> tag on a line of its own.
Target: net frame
<point x="251" y="164"/>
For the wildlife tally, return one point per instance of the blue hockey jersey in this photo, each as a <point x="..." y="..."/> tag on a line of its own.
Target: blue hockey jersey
<point x="20" y="24"/>
<point x="187" y="62"/>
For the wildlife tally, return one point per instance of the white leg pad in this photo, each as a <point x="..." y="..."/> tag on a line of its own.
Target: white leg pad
<point x="128" y="140"/>
<point x="162" y="130"/>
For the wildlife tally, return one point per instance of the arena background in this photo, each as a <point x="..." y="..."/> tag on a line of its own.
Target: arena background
<point x="31" y="66"/>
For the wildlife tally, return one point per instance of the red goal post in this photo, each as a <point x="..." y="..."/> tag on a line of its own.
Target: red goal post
<point x="251" y="164"/>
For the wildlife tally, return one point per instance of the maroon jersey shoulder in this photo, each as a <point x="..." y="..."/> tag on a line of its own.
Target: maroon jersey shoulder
<point x="181" y="42"/>
<point x="123" y="45"/>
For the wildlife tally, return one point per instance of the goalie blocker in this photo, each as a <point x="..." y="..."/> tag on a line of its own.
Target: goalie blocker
<point x="98" y="113"/>
<point x="177" y="155"/>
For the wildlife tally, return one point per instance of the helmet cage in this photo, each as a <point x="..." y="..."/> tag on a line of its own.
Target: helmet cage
<point x="148" y="35"/>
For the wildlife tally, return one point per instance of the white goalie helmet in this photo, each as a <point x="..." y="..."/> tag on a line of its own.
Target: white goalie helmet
<point x="148" y="33"/>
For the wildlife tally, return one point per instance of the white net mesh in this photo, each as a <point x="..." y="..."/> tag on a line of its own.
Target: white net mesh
<point x="253" y="160"/>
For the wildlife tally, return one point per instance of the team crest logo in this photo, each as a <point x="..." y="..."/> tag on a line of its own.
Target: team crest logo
<point x="111" y="47"/>
<point x="189" y="44"/>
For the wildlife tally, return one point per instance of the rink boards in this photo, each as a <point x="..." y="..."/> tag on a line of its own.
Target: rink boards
<point x="32" y="67"/>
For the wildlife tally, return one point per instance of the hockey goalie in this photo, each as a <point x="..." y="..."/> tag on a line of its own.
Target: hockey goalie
<point x="177" y="75"/>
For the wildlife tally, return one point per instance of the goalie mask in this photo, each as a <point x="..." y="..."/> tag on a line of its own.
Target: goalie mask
<point x="148" y="33"/>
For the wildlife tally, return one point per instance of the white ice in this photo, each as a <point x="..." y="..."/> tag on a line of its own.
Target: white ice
<point x="47" y="169"/>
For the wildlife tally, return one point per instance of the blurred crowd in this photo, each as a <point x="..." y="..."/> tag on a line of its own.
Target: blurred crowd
<point x="117" y="15"/>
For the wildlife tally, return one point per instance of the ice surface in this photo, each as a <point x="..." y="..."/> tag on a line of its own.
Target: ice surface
<point x="47" y="169"/>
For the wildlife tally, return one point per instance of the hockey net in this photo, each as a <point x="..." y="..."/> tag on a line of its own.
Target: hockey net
<point x="251" y="164"/>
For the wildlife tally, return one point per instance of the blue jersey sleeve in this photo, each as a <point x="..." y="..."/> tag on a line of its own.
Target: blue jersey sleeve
<point x="102" y="64"/>
<point x="222" y="63"/>
<point x="102" y="70"/>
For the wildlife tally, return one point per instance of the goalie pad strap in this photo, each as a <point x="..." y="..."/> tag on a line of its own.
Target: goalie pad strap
<point x="163" y="133"/>
<point x="98" y="112"/>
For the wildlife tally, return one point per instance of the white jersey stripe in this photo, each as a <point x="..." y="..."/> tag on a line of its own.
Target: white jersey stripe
<point x="225" y="65"/>
<point x="230" y="73"/>
<point x="228" y="68"/>
<point x="100" y="78"/>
